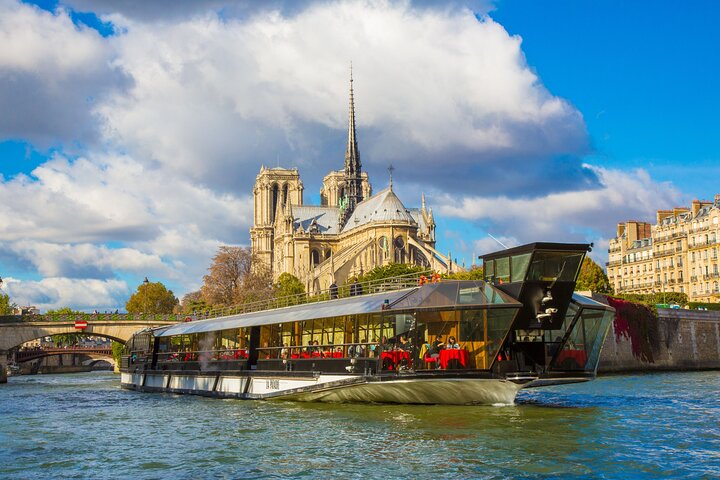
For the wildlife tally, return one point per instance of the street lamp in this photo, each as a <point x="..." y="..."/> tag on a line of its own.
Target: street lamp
<point x="145" y="282"/>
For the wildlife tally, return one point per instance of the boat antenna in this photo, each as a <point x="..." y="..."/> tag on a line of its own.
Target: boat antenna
<point x="498" y="241"/>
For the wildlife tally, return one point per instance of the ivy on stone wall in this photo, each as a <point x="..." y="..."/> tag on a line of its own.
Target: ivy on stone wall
<point x="639" y="323"/>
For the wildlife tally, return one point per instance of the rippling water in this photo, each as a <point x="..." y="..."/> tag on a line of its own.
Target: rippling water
<point x="85" y="426"/>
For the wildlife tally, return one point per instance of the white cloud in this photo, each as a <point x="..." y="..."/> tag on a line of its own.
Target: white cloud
<point x="216" y="97"/>
<point x="586" y="214"/>
<point x="51" y="75"/>
<point x="81" y="294"/>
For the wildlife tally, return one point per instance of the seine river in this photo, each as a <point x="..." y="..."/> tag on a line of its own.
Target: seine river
<point x="85" y="426"/>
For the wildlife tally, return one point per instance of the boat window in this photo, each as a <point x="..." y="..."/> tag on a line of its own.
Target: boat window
<point x="581" y="351"/>
<point x="469" y="295"/>
<point x="489" y="267"/>
<point x="482" y="333"/>
<point x="502" y="270"/>
<point x="552" y="266"/>
<point x="519" y="265"/>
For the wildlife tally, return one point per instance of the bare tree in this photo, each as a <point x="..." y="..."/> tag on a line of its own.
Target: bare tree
<point x="235" y="277"/>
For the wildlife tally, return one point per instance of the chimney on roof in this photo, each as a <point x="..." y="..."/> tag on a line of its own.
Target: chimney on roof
<point x="620" y="229"/>
<point x="717" y="199"/>
<point x="662" y="215"/>
<point x="696" y="205"/>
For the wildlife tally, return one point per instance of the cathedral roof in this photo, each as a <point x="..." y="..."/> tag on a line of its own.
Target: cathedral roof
<point x="326" y="218"/>
<point x="384" y="206"/>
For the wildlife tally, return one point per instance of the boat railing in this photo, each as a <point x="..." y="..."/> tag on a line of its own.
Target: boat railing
<point x="331" y="293"/>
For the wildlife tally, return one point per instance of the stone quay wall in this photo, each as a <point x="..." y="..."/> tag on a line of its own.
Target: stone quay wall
<point x="677" y="339"/>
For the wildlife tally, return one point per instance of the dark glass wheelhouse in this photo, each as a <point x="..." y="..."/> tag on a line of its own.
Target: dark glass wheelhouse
<point x="556" y="330"/>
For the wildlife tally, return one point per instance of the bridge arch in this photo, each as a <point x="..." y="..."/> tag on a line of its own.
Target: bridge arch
<point x="14" y="331"/>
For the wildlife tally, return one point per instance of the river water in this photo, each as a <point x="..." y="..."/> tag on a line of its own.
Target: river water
<point x="85" y="426"/>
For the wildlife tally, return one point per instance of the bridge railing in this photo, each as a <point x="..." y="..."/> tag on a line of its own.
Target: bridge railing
<point x="347" y="290"/>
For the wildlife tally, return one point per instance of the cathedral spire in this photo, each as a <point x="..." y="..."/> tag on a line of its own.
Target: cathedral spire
<point x="353" y="168"/>
<point x="352" y="155"/>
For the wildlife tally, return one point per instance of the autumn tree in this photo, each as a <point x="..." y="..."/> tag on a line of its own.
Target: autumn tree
<point x="592" y="277"/>
<point x="151" y="297"/>
<point x="236" y="277"/>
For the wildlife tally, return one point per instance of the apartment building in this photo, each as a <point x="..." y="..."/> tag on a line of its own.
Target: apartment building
<point x="679" y="253"/>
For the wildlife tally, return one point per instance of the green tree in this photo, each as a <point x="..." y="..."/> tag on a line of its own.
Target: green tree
<point x="151" y="297"/>
<point x="6" y="308"/>
<point x="476" y="273"/>
<point x="390" y="270"/>
<point x="65" y="338"/>
<point x="288" y="284"/>
<point x="117" y="351"/>
<point x="192" y="302"/>
<point x="592" y="277"/>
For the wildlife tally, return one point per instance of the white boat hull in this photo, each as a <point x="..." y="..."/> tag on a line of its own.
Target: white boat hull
<point x="331" y="388"/>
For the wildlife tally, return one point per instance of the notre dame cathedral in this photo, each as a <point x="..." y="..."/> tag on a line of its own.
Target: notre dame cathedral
<point x="352" y="231"/>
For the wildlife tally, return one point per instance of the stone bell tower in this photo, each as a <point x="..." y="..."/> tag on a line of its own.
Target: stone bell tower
<point x="274" y="187"/>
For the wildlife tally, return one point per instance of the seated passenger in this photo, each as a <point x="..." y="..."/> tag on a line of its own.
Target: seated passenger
<point x="403" y="343"/>
<point x="357" y="350"/>
<point x="452" y="344"/>
<point x="284" y="352"/>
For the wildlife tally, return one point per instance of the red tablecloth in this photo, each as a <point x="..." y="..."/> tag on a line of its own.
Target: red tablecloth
<point x="396" y="356"/>
<point x="567" y="358"/>
<point x="452" y="354"/>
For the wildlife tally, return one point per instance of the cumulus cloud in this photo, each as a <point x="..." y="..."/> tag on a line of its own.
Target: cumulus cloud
<point x="81" y="294"/>
<point x="215" y="97"/>
<point x="583" y="215"/>
<point x="52" y="74"/>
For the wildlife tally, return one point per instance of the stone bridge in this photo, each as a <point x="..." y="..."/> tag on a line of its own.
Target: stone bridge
<point x="18" y="329"/>
<point x="34" y="354"/>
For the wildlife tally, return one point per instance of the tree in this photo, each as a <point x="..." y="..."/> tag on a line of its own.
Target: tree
<point x="151" y="297"/>
<point x="390" y="270"/>
<point x="65" y="338"/>
<point x="236" y="277"/>
<point x="592" y="277"/>
<point x="192" y="302"/>
<point x="288" y="285"/>
<point x="475" y="273"/>
<point x="6" y="308"/>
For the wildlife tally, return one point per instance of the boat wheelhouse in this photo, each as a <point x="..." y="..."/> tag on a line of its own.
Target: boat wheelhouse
<point x="401" y="340"/>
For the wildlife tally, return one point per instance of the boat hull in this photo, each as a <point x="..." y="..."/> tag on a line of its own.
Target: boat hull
<point x="330" y="388"/>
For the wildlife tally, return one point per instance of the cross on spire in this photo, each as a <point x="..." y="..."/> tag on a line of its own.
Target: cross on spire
<point x="391" y="169"/>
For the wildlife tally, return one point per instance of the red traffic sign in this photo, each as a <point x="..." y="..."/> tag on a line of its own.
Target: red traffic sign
<point x="80" y="324"/>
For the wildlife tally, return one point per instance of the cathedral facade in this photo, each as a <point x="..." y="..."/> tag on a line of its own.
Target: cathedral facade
<point x="351" y="232"/>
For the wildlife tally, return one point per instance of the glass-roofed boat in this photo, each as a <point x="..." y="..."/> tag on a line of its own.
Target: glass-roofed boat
<point x="413" y="339"/>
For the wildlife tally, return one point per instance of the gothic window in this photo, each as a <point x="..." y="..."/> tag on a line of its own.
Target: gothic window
<point x="285" y="194"/>
<point x="384" y="248"/>
<point x="327" y="254"/>
<point x="399" y="250"/>
<point x="274" y="201"/>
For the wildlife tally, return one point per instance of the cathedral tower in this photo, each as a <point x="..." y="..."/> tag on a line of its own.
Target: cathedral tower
<point x="274" y="188"/>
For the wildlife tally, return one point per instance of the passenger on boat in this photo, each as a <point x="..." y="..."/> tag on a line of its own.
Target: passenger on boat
<point x="452" y="343"/>
<point x="284" y="352"/>
<point x="357" y="350"/>
<point x="403" y="343"/>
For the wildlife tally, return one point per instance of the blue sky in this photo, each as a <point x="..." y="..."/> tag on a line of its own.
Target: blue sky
<point x="134" y="131"/>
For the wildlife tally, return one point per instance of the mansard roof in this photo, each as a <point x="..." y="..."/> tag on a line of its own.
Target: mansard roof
<point x="384" y="206"/>
<point x="326" y="218"/>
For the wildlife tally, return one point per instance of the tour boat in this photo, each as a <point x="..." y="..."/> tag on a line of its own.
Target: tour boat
<point x="420" y="339"/>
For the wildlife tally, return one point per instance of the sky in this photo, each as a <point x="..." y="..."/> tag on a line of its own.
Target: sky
<point x="131" y="132"/>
